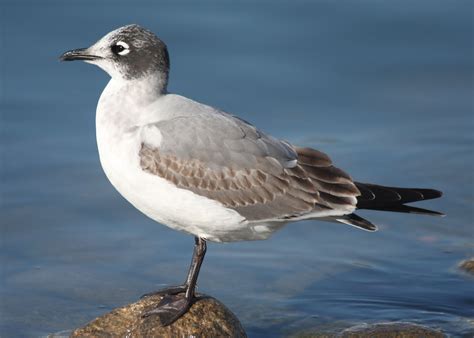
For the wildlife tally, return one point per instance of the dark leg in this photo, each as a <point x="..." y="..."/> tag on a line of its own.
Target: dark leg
<point x="177" y="300"/>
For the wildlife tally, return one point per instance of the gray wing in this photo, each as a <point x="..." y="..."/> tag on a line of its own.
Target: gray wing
<point x="227" y="159"/>
<point x="221" y="140"/>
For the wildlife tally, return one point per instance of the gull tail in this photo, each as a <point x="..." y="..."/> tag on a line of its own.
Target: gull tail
<point x="378" y="197"/>
<point x="357" y="221"/>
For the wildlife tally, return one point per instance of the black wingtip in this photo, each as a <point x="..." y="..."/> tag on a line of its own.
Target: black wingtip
<point x="383" y="198"/>
<point x="411" y="210"/>
<point x="421" y="211"/>
<point x="429" y="194"/>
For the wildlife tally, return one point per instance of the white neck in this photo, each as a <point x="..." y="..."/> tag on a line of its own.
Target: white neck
<point x="123" y="102"/>
<point x="142" y="91"/>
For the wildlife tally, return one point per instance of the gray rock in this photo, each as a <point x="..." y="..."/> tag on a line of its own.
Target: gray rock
<point x="467" y="265"/>
<point x="391" y="330"/>
<point x="377" y="330"/>
<point x="207" y="318"/>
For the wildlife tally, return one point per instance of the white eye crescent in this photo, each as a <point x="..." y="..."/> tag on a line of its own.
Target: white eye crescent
<point x="124" y="48"/>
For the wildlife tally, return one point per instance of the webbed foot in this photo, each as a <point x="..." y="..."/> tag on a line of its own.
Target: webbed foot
<point x="171" y="308"/>
<point x="172" y="290"/>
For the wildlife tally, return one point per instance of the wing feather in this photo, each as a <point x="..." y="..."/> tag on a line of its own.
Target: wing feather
<point x="257" y="175"/>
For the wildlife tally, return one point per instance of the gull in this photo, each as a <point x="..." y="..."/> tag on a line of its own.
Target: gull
<point x="205" y="172"/>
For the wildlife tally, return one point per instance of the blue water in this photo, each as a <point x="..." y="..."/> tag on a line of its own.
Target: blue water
<point x="384" y="87"/>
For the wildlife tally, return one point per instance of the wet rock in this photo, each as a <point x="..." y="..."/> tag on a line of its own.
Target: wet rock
<point x="467" y="265"/>
<point x="207" y="318"/>
<point x="377" y="330"/>
<point x="391" y="330"/>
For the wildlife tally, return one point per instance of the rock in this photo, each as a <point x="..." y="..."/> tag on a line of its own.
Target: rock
<point x="391" y="330"/>
<point x="467" y="265"/>
<point x="377" y="330"/>
<point x="207" y="318"/>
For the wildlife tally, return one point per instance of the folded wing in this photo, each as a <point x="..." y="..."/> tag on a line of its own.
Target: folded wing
<point x="228" y="160"/>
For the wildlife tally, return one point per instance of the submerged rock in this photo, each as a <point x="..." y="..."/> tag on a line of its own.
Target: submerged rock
<point x="391" y="330"/>
<point x="207" y="318"/>
<point x="377" y="330"/>
<point x="467" y="265"/>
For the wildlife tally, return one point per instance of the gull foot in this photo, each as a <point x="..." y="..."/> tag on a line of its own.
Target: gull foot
<point x="172" y="290"/>
<point x="171" y="308"/>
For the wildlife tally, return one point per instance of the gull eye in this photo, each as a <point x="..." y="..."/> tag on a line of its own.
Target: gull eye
<point x="120" y="48"/>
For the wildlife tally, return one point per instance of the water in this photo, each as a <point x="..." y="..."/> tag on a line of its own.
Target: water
<point x="385" y="88"/>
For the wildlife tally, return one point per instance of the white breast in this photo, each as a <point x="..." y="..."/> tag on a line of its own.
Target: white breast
<point x="119" y="138"/>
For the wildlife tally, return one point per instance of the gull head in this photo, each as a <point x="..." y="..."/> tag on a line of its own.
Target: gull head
<point x="129" y="53"/>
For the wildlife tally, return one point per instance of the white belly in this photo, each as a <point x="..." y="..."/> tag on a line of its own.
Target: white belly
<point x="119" y="137"/>
<point x="179" y="209"/>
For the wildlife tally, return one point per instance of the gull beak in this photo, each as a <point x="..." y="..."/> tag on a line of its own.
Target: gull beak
<point x="79" y="54"/>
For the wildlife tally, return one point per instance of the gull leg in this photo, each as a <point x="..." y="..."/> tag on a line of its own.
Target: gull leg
<point x="176" y="301"/>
